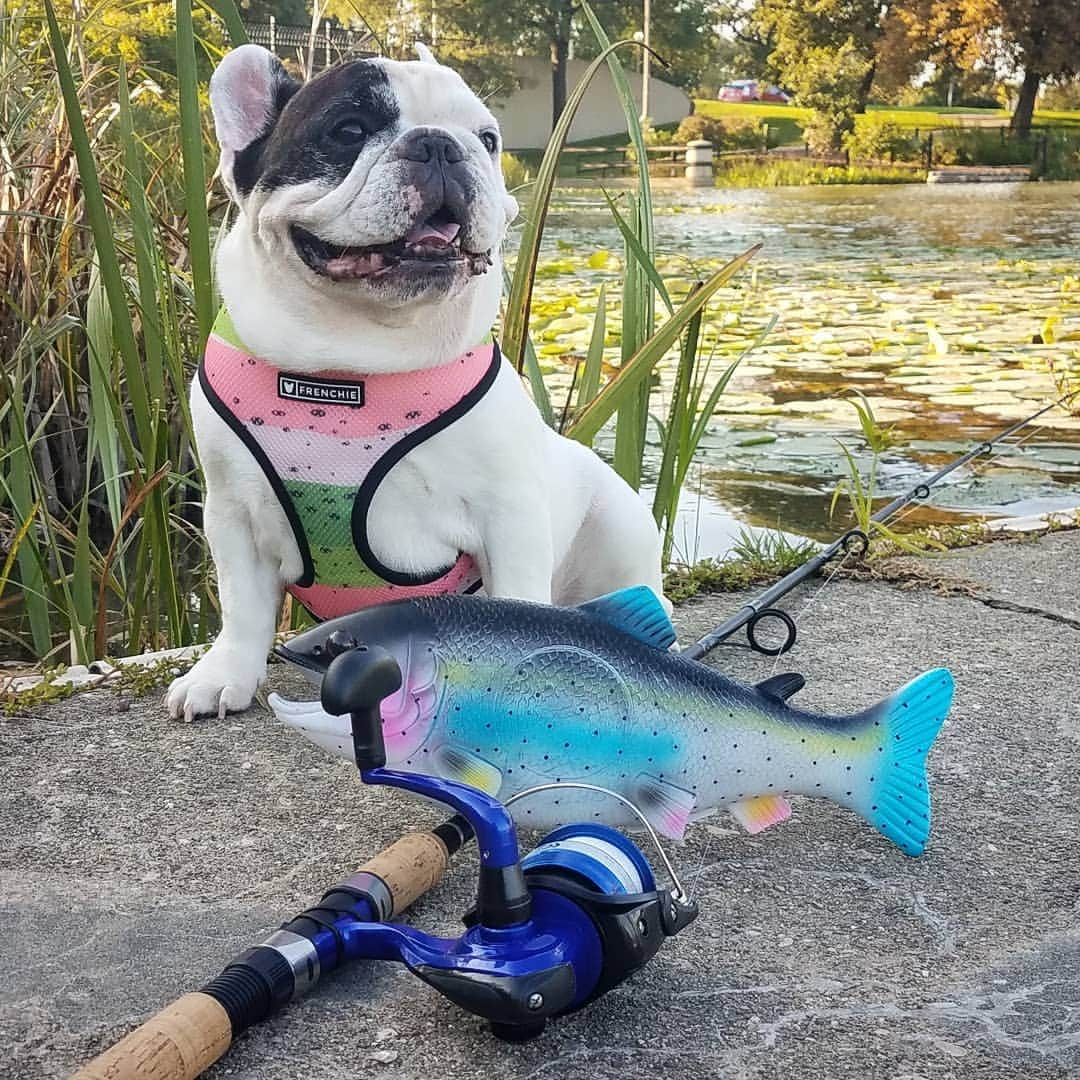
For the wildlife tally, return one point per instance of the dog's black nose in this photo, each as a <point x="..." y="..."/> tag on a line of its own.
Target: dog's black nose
<point x="426" y="145"/>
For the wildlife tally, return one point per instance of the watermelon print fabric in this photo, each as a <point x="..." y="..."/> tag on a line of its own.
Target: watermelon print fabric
<point x="325" y="442"/>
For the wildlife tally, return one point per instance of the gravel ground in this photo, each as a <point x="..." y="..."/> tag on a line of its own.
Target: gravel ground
<point x="137" y="855"/>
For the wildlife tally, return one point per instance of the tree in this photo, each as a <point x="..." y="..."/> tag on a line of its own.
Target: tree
<point x="682" y="34"/>
<point x="1040" y="38"/>
<point x="826" y="52"/>
<point x="746" y="45"/>
<point x="502" y="28"/>
<point x="1043" y="38"/>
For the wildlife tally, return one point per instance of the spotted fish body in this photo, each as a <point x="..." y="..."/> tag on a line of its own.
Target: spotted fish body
<point x="506" y="695"/>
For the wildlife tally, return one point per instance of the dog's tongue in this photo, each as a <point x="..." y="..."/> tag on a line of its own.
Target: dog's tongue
<point x="430" y="232"/>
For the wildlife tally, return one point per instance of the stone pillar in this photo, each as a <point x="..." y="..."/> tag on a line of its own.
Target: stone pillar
<point x="699" y="170"/>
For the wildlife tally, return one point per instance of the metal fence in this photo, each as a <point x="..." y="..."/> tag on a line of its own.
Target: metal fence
<point x="326" y="44"/>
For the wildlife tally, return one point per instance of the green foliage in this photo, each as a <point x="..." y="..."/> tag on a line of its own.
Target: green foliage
<point x="98" y="319"/>
<point x="104" y="258"/>
<point x="756" y="558"/>
<point x="129" y="680"/>
<point x="878" y="137"/>
<point x="770" y="551"/>
<point x="972" y="146"/>
<point x="802" y="172"/>
<point x="731" y="134"/>
<point x="861" y="491"/>
<point x="825" y="53"/>
<point x="1063" y="96"/>
<point x="516" y="172"/>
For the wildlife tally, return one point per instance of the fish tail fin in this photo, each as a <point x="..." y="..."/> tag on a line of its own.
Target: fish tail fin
<point x="898" y="796"/>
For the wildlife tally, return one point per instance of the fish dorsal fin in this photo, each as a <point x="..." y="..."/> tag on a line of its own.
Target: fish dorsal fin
<point x="781" y="687"/>
<point x="636" y="611"/>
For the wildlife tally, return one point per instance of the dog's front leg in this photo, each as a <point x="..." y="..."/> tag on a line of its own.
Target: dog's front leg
<point x="249" y="586"/>
<point x="518" y="560"/>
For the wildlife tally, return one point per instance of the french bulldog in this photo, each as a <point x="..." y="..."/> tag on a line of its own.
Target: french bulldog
<point x="359" y="436"/>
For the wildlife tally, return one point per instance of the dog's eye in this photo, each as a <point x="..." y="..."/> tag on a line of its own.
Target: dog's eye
<point x="349" y="132"/>
<point x="490" y="141"/>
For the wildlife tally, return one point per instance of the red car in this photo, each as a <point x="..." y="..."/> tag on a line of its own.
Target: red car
<point x="752" y="90"/>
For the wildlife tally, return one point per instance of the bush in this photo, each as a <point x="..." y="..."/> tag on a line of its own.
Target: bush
<point x="802" y="172"/>
<point x="654" y="136"/>
<point x="877" y="138"/>
<point x="973" y="146"/>
<point x="824" y="133"/>
<point x="1062" y="98"/>
<point x="732" y="135"/>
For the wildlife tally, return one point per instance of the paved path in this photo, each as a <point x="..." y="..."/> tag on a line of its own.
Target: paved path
<point x="137" y="855"/>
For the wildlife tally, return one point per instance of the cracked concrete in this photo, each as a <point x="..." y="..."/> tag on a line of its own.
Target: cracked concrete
<point x="137" y="855"/>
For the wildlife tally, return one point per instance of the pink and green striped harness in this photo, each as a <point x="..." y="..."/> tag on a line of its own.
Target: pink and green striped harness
<point x="325" y="442"/>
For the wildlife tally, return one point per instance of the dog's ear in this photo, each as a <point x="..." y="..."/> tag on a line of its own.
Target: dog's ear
<point x="425" y="54"/>
<point x="248" y="90"/>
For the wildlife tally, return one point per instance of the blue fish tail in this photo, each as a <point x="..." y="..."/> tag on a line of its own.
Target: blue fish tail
<point x="899" y="792"/>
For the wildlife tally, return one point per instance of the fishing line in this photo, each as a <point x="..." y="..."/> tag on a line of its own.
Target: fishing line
<point x="918" y="504"/>
<point x="701" y="866"/>
<point x="813" y="600"/>
<point x="855" y="541"/>
<point x="977" y="469"/>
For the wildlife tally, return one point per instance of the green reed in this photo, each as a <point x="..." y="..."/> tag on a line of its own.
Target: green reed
<point x="106" y="298"/>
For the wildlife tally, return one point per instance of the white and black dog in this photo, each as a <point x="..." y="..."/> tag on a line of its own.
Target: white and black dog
<point x="359" y="435"/>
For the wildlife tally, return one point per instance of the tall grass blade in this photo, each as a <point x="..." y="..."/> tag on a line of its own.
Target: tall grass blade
<point x="516" y="320"/>
<point x="534" y="373"/>
<point x="230" y="16"/>
<point x="145" y="251"/>
<point x="666" y="496"/>
<point x="101" y="228"/>
<point x="594" y="358"/>
<point x="103" y="441"/>
<point x="191" y="145"/>
<point x="641" y="256"/>
<point x="628" y="378"/>
<point x="633" y="124"/>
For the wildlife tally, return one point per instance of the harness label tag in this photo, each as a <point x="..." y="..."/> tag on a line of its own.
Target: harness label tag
<point x="323" y="391"/>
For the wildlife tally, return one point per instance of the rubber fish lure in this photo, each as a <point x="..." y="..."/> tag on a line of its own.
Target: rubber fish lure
<point x="506" y="695"/>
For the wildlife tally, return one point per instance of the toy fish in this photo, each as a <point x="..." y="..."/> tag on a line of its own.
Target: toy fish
<point x="505" y="695"/>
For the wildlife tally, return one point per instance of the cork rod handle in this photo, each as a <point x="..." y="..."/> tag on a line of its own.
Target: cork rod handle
<point x="188" y="1036"/>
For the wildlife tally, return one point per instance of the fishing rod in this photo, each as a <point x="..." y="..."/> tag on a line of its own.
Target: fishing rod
<point x="551" y="930"/>
<point x="853" y="542"/>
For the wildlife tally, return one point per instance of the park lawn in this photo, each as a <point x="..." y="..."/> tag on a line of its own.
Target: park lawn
<point x="786" y="121"/>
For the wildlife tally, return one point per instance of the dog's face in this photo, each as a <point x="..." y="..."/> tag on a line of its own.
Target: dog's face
<point x="378" y="182"/>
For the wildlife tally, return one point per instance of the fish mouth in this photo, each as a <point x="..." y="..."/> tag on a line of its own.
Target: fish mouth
<point x="432" y="248"/>
<point x="301" y="660"/>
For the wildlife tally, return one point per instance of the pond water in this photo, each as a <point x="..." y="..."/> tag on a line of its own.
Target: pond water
<point x="954" y="309"/>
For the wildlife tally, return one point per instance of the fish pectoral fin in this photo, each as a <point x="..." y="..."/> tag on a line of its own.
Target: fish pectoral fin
<point x="455" y="763"/>
<point x="758" y="813"/>
<point x="781" y="687"/>
<point x="636" y="611"/>
<point x="667" y="807"/>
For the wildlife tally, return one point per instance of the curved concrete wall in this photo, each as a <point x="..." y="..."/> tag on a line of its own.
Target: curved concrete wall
<point x="525" y="116"/>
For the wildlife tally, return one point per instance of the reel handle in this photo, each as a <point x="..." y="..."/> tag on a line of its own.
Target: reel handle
<point x="357" y="680"/>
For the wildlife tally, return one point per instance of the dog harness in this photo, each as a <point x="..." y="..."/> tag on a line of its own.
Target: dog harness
<point x="325" y="442"/>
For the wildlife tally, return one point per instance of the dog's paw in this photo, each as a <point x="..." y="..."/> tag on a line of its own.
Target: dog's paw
<point x="211" y="688"/>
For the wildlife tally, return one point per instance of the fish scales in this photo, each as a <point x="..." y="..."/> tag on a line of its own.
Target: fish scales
<point x="506" y="696"/>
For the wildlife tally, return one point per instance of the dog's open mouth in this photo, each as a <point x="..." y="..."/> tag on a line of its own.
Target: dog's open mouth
<point x="432" y="245"/>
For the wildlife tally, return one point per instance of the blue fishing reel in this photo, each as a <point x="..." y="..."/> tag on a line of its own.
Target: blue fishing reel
<point x="549" y="933"/>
